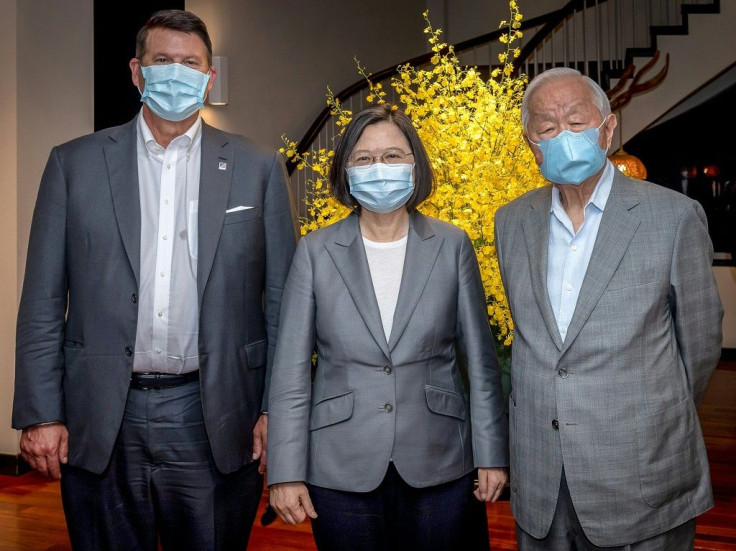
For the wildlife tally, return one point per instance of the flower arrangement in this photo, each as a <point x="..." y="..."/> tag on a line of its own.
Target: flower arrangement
<point x="471" y="128"/>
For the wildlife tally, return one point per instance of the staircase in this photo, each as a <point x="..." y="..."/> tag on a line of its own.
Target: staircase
<point x="601" y="38"/>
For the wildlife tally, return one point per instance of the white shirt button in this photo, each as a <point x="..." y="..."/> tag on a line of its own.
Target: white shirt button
<point x="162" y="274"/>
<point x="569" y="287"/>
<point x="574" y="247"/>
<point x="158" y="351"/>
<point x="160" y="314"/>
<point x="166" y="237"/>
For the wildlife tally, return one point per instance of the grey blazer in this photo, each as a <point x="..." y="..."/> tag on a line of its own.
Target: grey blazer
<point x="615" y="403"/>
<point x="372" y="401"/>
<point x="78" y="311"/>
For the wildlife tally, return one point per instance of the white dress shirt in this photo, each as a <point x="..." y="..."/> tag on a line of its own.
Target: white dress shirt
<point x="168" y="312"/>
<point x="569" y="252"/>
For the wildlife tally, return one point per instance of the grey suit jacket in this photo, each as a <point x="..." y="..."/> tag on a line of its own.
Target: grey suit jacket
<point x="373" y="400"/>
<point x="78" y="311"/>
<point x="623" y="386"/>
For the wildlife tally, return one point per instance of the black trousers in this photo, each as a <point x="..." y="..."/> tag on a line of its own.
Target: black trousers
<point x="398" y="517"/>
<point x="161" y="484"/>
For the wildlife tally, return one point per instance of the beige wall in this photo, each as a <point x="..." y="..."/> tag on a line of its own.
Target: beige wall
<point x="465" y="19"/>
<point x="8" y="220"/>
<point x="50" y="101"/>
<point x="283" y="54"/>
<point x="726" y="280"/>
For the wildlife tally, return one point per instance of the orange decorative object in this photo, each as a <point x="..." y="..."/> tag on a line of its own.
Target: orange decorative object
<point x="629" y="164"/>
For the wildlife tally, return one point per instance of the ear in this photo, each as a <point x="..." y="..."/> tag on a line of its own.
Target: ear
<point x="609" y="127"/>
<point x="211" y="82"/>
<point x="538" y="157"/>
<point x="136" y="74"/>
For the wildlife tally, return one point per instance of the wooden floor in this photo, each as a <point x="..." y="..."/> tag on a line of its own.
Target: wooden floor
<point x="31" y="518"/>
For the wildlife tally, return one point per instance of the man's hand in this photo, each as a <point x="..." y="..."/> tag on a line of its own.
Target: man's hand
<point x="45" y="447"/>
<point x="260" y="439"/>
<point x="291" y="502"/>
<point x="490" y="484"/>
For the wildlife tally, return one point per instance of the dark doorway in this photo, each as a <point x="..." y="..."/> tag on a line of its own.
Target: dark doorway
<point x="116" y="25"/>
<point x="695" y="153"/>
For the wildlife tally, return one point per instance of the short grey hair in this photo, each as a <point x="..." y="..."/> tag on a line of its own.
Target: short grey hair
<point x="598" y="96"/>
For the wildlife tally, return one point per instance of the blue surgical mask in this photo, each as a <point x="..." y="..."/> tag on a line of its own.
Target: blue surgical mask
<point x="174" y="91"/>
<point x="572" y="157"/>
<point x="380" y="187"/>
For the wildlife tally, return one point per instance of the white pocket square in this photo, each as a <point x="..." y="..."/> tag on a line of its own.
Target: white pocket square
<point x="238" y="208"/>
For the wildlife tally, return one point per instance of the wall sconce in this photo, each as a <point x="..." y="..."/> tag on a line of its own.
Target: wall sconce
<point x="218" y="94"/>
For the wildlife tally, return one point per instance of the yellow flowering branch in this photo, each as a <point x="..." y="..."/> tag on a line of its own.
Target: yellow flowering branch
<point x="471" y="127"/>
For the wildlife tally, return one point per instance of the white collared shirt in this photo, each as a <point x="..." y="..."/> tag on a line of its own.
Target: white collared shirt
<point x="168" y="311"/>
<point x="568" y="253"/>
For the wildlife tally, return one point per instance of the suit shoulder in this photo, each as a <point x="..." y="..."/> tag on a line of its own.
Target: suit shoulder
<point x="660" y="198"/>
<point x="522" y="202"/>
<point x="444" y="228"/>
<point x="95" y="139"/>
<point x="323" y="235"/>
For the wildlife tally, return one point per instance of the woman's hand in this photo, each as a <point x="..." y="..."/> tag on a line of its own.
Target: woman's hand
<point x="291" y="502"/>
<point x="490" y="484"/>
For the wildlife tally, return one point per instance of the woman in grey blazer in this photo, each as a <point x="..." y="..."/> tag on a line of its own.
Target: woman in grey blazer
<point x="380" y="445"/>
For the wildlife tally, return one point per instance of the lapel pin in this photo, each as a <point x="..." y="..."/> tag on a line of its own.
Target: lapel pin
<point x="222" y="165"/>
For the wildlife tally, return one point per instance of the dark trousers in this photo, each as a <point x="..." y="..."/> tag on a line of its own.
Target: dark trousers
<point x="397" y="517"/>
<point x="566" y="533"/>
<point x="161" y="484"/>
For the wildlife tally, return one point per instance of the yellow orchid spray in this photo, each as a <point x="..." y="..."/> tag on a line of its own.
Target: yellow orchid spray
<point x="471" y="128"/>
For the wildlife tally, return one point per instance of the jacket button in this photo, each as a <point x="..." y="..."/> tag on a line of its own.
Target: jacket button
<point x="387" y="369"/>
<point x="555" y="424"/>
<point x="388" y="407"/>
<point x="128" y="351"/>
<point x="562" y="372"/>
<point x="134" y="298"/>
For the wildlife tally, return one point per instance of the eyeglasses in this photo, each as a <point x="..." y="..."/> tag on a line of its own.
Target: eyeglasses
<point x="391" y="156"/>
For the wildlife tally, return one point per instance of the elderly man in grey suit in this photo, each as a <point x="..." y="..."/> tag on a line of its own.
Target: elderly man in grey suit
<point x="617" y="330"/>
<point x="158" y="254"/>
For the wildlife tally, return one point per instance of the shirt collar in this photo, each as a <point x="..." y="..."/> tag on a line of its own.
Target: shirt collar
<point x="600" y="194"/>
<point x="186" y="141"/>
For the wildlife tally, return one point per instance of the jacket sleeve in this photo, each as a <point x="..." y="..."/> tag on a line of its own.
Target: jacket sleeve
<point x="694" y="300"/>
<point x="280" y="222"/>
<point x="291" y="384"/>
<point x="39" y="363"/>
<point x="487" y="413"/>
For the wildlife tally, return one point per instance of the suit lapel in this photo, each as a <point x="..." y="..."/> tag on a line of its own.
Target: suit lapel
<point x="214" y="191"/>
<point x="536" y="234"/>
<point x="422" y="248"/>
<point x="122" y="168"/>
<point x="619" y="223"/>
<point x="348" y="253"/>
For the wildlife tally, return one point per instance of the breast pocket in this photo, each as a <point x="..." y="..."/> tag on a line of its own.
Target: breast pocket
<point x="239" y="216"/>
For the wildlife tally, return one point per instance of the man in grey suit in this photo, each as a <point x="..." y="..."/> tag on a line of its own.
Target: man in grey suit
<point x="617" y="330"/>
<point x="157" y="258"/>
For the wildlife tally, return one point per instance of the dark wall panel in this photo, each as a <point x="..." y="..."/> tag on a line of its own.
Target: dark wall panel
<point x="116" y="25"/>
